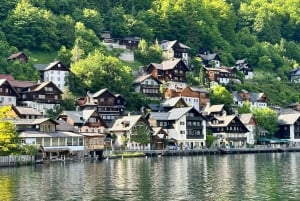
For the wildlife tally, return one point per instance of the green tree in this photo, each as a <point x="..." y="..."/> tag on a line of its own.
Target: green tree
<point x="8" y="136"/>
<point x="30" y="27"/>
<point x="245" y="108"/>
<point x="267" y="119"/>
<point x="99" y="71"/>
<point x="64" y="55"/>
<point x="23" y="71"/>
<point x="147" y="54"/>
<point x="141" y="133"/>
<point x="220" y="95"/>
<point x="86" y="39"/>
<point x="53" y="113"/>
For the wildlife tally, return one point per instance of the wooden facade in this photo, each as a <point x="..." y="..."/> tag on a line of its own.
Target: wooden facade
<point x="149" y="86"/>
<point x="8" y="94"/>
<point x="170" y="70"/>
<point x="108" y="105"/>
<point x="230" y="129"/>
<point x="46" y="92"/>
<point x="197" y="97"/>
<point x="20" y="56"/>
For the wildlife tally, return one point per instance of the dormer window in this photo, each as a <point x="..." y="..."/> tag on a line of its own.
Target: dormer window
<point x="126" y="124"/>
<point x="48" y="89"/>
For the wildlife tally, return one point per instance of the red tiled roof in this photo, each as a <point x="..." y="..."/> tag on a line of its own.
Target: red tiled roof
<point x="7" y="77"/>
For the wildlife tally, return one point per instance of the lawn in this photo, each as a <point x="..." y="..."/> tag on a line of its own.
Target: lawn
<point x="40" y="57"/>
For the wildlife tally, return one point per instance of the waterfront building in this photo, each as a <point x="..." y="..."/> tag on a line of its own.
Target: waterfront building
<point x="55" y="144"/>
<point x="126" y="128"/>
<point x="185" y="125"/>
<point x="228" y="130"/>
<point x="289" y="127"/>
<point x="90" y="125"/>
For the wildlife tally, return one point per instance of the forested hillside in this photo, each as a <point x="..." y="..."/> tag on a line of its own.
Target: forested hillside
<point x="265" y="32"/>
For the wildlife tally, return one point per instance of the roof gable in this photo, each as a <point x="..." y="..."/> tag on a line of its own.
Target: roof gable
<point x="288" y="119"/>
<point x="4" y="82"/>
<point x="126" y="123"/>
<point x="145" y="77"/>
<point x="42" y="85"/>
<point x="101" y="92"/>
<point x="56" y="65"/>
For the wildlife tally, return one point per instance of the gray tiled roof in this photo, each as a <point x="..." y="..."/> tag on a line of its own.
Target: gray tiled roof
<point x="288" y="119"/>
<point x="169" y="44"/>
<point x="208" y="57"/>
<point x="144" y="77"/>
<point x="40" y="67"/>
<point x="171" y="102"/>
<point x="79" y="116"/>
<point x="33" y="134"/>
<point x="160" y="115"/>
<point x="167" y="65"/>
<point x="173" y="114"/>
<point x="214" y="108"/>
<point x="27" y="110"/>
<point x="245" y="118"/>
<point x="65" y="126"/>
<point x="98" y="93"/>
<point x="119" y="123"/>
<point x="176" y="113"/>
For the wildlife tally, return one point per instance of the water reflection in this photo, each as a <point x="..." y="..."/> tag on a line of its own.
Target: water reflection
<point x="218" y="177"/>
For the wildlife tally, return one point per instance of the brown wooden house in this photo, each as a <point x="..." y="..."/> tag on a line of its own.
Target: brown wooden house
<point x="109" y="106"/>
<point x="193" y="96"/>
<point x="175" y="49"/>
<point x="222" y="75"/>
<point x="20" y="56"/>
<point x="169" y="70"/>
<point x="91" y="126"/>
<point x="159" y="138"/>
<point x="131" y="42"/>
<point x="228" y="130"/>
<point x="8" y="94"/>
<point x="41" y="96"/>
<point x="148" y="85"/>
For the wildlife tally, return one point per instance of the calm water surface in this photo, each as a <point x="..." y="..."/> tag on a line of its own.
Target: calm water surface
<point x="272" y="176"/>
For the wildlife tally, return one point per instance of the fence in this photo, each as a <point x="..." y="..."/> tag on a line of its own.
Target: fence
<point x="9" y="161"/>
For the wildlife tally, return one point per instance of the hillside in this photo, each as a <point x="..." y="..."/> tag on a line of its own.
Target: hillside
<point x="264" y="32"/>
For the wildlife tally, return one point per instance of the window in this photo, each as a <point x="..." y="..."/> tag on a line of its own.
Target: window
<point x="182" y="123"/>
<point x="46" y="142"/>
<point x="62" y="141"/>
<point x="182" y="132"/>
<point x="55" y="141"/>
<point x="80" y="141"/>
<point x="49" y="88"/>
<point x="69" y="141"/>
<point x="75" y="141"/>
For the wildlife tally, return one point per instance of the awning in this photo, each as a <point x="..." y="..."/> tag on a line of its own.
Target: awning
<point x="273" y="140"/>
<point x="56" y="149"/>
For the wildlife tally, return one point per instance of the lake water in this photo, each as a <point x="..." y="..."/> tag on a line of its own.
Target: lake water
<point x="270" y="176"/>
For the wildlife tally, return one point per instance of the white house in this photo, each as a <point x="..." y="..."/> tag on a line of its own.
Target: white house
<point x="185" y="125"/>
<point x="55" y="72"/>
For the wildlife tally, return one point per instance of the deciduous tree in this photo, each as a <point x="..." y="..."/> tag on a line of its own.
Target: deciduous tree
<point x="8" y="135"/>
